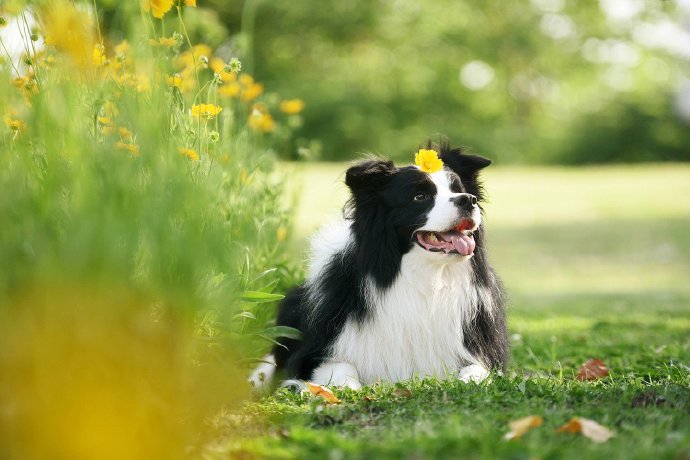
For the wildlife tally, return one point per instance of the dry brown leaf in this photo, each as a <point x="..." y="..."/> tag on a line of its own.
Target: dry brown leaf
<point x="588" y="428"/>
<point x="593" y="369"/>
<point x="322" y="391"/>
<point x="402" y="393"/>
<point x="522" y="426"/>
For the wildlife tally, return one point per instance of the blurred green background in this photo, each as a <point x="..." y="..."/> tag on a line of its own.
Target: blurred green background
<point x="524" y="81"/>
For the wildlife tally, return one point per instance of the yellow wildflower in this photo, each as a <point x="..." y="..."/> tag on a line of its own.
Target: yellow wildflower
<point x="158" y="8"/>
<point x="281" y="233"/>
<point x="190" y="3"/>
<point x="105" y="124"/>
<point x="428" y="161"/>
<point x="14" y="124"/>
<point x="175" y="81"/>
<point x="221" y="68"/>
<point x="122" y="48"/>
<point x="71" y="31"/>
<point x="126" y="134"/>
<point x="207" y="111"/>
<point x="20" y="82"/>
<point x="163" y="41"/>
<point x="130" y="147"/>
<point x="191" y="58"/>
<point x="231" y="89"/>
<point x="292" y="106"/>
<point x="246" y="80"/>
<point x="99" y="57"/>
<point x="252" y="92"/>
<point x="189" y="153"/>
<point x="261" y="121"/>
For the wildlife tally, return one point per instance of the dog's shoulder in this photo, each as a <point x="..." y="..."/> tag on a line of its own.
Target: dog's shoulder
<point x="332" y="239"/>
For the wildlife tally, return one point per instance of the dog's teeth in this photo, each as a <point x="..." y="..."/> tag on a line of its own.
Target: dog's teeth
<point x="432" y="237"/>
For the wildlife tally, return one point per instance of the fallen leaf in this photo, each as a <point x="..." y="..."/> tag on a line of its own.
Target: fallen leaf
<point x="322" y="391"/>
<point x="522" y="426"/>
<point x="593" y="369"/>
<point x="588" y="428"/>
<point x="402" y="393"/>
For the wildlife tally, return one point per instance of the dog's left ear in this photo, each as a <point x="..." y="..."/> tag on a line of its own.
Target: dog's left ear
<point x="464" y="165"/>
<point x="467" y="167"/>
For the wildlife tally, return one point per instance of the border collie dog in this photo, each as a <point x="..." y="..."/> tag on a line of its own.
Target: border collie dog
<point x="401" y="287"/>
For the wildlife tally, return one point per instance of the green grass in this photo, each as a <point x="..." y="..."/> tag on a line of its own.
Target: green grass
<point x="596" y="262"/>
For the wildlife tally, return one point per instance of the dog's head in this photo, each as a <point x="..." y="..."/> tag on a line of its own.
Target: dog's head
<point x="407" y="208"/>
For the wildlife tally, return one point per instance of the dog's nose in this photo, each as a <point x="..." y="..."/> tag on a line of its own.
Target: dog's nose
<point x="465" y="200"/>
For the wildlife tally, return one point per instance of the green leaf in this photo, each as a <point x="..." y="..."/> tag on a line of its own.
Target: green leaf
<point x="260" y="297"/>
<point x="282" y="331"/>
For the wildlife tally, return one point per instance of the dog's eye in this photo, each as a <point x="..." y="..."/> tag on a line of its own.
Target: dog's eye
<point x="421" y="197"/>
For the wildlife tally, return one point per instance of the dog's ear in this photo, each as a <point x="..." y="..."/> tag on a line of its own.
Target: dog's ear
<point x="465" y="165"/>
<point x="369" y="175"/>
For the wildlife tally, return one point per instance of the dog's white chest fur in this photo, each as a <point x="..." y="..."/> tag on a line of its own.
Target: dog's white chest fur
<point x="414" y="328"/>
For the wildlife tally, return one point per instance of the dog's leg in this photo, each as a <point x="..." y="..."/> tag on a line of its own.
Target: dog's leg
<point x="261" y="378"/>
<point x="337" y="374"/>
<point x="473" y="373"/>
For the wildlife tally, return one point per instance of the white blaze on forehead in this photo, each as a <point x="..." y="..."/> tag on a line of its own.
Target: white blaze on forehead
<point x="441" y="180"/>
<point x="445" y="213"/>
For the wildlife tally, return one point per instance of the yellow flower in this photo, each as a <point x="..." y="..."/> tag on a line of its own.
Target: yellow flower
<point x="158" y="8"/>
<point x="261" y="121"/>
<point x="292" y="106"/>
<point x="207" y="111"/>
<point x="14" y="124"/>
<point x="99" y="57"/>
<point x="175" y="81"/>
<point x="122" y="48"/>
<point x="105" y="124"/>
<point x="281" y="233"/>
<point x="252" y="92"/>
<point x="246" y="79"/>
<point x="70" y="31"/>
<point x="126" y="134"/>
<point x="189" y="153"/>
<point x="163" y="41"/>
<point x="219" y="67"/>
<point x="190" y="3"/>
<point x="191" y="58"/>
<point x="231" y="89"/>
<point x="20" y="82"/>
<point x="132" y="148"/>
<point x="428" y="161"/>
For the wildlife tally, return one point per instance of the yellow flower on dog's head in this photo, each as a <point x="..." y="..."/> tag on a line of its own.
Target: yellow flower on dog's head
<point x="428" y="161"/>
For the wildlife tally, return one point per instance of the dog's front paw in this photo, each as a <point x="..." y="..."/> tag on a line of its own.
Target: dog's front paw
<point x="473" y="373"/>
<point x="261" y="378"/>
<point x="338" y="375"/>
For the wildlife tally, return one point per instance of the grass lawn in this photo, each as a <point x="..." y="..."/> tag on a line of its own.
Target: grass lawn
<point x="597" y="264"/>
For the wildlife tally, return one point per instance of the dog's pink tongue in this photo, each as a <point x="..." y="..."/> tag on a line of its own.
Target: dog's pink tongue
<point x="463" y="244"/>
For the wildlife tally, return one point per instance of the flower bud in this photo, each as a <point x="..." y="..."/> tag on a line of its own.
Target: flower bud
<point x="235" y="65"/>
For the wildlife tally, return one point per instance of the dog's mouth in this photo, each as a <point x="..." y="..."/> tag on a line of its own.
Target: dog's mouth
<point x="458" y="240"/>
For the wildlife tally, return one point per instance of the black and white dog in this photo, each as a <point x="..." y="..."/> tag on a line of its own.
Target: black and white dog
<point x="401" y="287"/>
